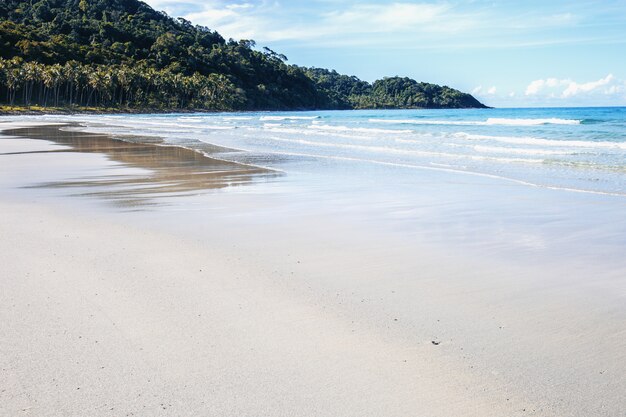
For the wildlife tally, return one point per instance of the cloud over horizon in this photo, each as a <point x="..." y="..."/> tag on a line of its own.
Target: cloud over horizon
<point x="438" y="22"/>
<point x="567" y="88"/>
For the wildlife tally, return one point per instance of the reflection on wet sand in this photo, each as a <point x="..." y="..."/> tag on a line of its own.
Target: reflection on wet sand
<point x="165" y="171"/>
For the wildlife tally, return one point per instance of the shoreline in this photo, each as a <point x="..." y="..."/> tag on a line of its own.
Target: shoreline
<point x="28" y="111"/>
<point x="162" y="169"/>
<point x="240" y="305"/>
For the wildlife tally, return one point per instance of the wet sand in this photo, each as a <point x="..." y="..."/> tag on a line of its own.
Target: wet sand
<point x="107" y="312"/>
<point x="158" y="169"/>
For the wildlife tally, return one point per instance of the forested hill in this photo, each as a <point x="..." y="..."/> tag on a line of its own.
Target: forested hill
<point x="122" y="54"/>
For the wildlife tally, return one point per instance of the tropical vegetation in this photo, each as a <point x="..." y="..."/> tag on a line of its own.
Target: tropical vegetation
<point x="122" y="54"/>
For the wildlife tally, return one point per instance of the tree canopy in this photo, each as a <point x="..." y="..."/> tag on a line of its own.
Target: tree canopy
<point x="124" y="54"/>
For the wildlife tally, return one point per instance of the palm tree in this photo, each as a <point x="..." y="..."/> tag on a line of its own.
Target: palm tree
<point x="52" y="78"/>
<point x="3" y="75"/>
<point x="107" y="85"/>
<point x="124" y="80"/>
<point x="71" y="71"/>
<point x="178" y="87"/>
<point x="30" y="74"/>
<point x="94" y="80"/>
<point x="14" y="80"/>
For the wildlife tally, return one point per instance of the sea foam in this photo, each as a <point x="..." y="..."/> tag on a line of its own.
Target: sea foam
<point x="357" y="129"/>
<point x="543" y="142"/>
<point x="278" y="118"/>
<point x="492" y="121"/>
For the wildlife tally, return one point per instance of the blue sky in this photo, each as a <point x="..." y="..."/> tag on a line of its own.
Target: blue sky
<point x="507" y="53"/>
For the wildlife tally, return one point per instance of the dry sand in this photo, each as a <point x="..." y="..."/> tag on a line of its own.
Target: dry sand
<point x="100" y="316"/>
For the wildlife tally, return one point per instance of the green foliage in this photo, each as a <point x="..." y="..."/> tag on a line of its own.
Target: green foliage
<point x="344" y="90"/>
<point x="122" y="53"/>
<point x="122" y="86"/>
<point x="397" y="92"/>
<point x="388" y="93"/>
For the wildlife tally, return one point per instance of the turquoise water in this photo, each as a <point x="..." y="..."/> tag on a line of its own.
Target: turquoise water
<point x="572" y="149"/>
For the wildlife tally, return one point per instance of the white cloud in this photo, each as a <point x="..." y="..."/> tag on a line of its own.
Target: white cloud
<point x="574" y="88"/>
<point x="268" y="21"/>
<point x="407" y="24"/>
<point x="338" y="23"/>
<point x="241" y="20"/>
<point x="385" y="17"/>
<point x="239" y="6"/>
<point x="559" y="19"/>
<point x="535" y="87"/>
<point x="567" y="88"/>
<point x="480" y="91"/>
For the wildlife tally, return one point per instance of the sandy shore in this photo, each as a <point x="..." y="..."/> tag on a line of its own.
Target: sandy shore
<point x="101" y="319"/>
<point x="102" y="314"/>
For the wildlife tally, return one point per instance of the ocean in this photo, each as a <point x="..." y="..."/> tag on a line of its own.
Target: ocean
<point x="573" y="149"/>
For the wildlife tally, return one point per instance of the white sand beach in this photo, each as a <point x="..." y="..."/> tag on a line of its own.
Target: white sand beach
<point x="250" y="307"/>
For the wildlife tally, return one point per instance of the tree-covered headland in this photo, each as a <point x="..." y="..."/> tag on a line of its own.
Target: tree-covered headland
<point x="124" y="55"/>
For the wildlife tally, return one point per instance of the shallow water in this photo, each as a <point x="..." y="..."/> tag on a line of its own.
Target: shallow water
<point x="526" y="183"/>
<point x="579" y="149"/>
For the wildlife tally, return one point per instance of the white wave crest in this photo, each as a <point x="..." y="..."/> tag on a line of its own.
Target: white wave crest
<point x="357" y="129"/>
<point x="492" y="121"/>
<point x="543" y="142"/>
<point x="237" y="118"/>
<point x="192" y="119"/>
<point x="531" y="122"/>
<point x="518" y="151"/>
<point x="278" y="118"/>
